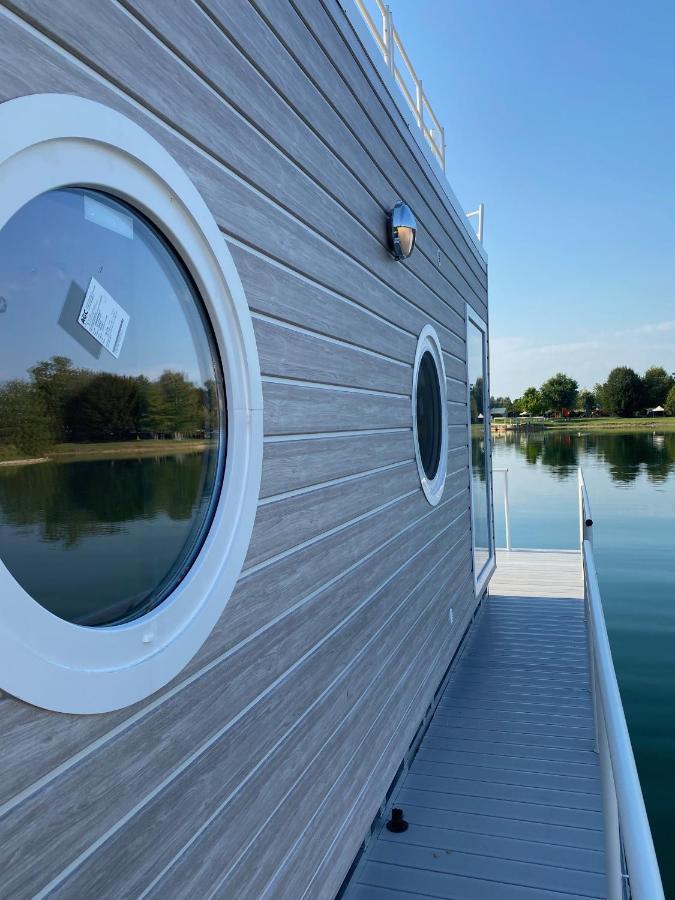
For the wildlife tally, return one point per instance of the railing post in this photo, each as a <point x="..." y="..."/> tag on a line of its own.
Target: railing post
<point x="507" y="517"/>
<point x="419" y="103"/>
<point x="388" y="37"/>
<point x="480" y="213"/>
<point x="442" y="133"/>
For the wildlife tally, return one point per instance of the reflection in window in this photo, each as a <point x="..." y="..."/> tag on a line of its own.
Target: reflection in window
<point x="480" y="486"/>
<point x="111" y="424"/>
<point x="429" y="416"/>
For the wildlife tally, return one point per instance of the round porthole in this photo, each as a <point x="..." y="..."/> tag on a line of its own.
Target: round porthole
<point x="430" y="426"/>
<point x="130" y="410"/>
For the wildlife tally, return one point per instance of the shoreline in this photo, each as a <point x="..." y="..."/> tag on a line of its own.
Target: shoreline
<point x="123" y="450"/>
<point x="666" y="424"/>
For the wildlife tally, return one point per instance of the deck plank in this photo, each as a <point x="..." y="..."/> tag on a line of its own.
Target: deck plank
<point x="503" y="796"/>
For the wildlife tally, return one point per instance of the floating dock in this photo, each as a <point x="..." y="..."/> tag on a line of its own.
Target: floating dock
<point x="504" y="796"/>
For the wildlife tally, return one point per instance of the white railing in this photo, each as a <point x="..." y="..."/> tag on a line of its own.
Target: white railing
<point x="391" y="47"/>
<point x="632" y="868"/>
<point x="480" y="213"/>
<point x="387" y="39"/>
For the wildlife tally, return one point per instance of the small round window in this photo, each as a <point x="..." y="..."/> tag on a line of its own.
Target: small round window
<point x="429" y="415"/>
<point x="111" y="409"/>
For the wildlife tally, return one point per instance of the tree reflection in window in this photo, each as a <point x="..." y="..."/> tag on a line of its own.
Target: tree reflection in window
<point x="61" y="404"/>
<point x="110" y="467"/>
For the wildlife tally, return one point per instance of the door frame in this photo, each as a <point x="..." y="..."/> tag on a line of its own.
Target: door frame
<point x="481" y="578"/>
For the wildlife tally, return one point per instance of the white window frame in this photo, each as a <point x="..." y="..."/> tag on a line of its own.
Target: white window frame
<point x="50" y="141"/>
<point x="428" y="342"/>
<point x="482" y="578"/>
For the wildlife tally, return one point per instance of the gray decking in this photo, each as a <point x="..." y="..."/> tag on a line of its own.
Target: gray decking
<point x="503" y="797"/>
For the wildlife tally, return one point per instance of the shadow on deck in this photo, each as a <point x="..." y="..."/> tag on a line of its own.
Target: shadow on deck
<point x="503" y="798"/>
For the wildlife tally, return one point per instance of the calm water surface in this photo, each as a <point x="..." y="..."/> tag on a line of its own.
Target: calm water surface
<point x="86" y="537"/>
<point x="631" y="485"/>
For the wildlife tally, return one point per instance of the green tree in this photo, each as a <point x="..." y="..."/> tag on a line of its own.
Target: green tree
<point x="108" y="408"/>
<point x="622" y="393"/>
<point x="586" y="401"/>
<point x="530" y="402"/>
<point x="657" y="383"/>
<point x="175" y="406"/>
<point x="670" y="402"/>
<point x="58" y="382"/>
<point x="559" y="392"/>
<point x="600" y="397"/>
<point x="25" y="422"/>
<point x="477" y="400"/>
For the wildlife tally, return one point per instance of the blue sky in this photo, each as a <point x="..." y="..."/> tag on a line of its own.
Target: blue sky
<point x="560" y="117"/>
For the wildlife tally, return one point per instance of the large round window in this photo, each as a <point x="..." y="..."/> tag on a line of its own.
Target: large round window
<point x="429" y="415"/>
<point x="131" y="424"/>
<point x="110" y="409"/>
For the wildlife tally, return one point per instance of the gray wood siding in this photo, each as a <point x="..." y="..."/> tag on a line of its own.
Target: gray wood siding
<point x="258" y="770"/>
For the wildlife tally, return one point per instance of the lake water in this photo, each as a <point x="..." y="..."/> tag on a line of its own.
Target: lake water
<point x="631" y="486"/>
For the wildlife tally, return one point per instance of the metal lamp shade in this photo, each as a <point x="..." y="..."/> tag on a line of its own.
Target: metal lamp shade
<point x="402" y="231"/>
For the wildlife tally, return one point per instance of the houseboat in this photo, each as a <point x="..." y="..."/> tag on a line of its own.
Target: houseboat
<point x="246" y="531"/>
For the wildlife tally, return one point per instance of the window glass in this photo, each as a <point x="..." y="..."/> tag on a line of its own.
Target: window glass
<point x="111" y="411"/>
<point x="480" y="486"/>
<point x="429" y="415"/>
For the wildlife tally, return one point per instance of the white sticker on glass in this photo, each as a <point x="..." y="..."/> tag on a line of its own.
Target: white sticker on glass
<point x="104" y="319"/>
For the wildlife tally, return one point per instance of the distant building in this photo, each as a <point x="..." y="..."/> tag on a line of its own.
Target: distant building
<point x="497" y="412"/>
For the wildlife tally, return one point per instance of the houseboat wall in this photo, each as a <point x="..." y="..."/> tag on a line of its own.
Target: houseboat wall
<point x="258" y="770"/>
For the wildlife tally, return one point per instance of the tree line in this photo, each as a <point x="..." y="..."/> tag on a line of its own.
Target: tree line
<point x="59" y="403"/>
<point x="624" y="394"/>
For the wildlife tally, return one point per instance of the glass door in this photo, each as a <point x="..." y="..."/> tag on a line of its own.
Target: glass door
<point x="482" y="525"/>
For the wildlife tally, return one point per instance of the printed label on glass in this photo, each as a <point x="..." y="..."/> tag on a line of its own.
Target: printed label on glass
<point x="104" y="319"/>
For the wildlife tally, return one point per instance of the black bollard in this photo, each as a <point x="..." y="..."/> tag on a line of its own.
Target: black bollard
<point x="397" y="823"/>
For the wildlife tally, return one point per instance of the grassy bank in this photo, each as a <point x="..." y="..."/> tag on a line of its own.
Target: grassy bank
<point x="115" y="450"/>
<point x="614" y="423"/>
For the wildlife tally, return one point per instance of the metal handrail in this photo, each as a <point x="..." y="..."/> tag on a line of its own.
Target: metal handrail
<point x="480" y="213"/>
<point x="388" y="39"/>
<point x="632" y="867"/>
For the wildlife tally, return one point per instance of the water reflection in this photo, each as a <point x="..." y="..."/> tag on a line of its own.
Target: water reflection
<point x="119" y="524"/>
<point x="626" y="454"/>
<point x="68" y="501"/>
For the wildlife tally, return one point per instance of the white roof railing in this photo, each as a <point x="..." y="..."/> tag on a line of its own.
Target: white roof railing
<point x="392" y="49"/>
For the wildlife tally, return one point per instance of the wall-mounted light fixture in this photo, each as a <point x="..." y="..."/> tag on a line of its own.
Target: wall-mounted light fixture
<point x="401" y="229"/>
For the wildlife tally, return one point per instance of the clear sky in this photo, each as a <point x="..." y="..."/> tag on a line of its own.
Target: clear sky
<point x="560" y="117"/>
